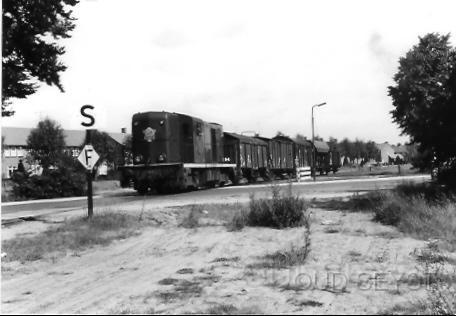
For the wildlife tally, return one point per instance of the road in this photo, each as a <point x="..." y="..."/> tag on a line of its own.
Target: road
<point x="128" y="199"/>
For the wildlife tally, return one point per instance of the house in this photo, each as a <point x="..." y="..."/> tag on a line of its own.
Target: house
<point x="388" y="153"/>
<point x="14" y="146"/>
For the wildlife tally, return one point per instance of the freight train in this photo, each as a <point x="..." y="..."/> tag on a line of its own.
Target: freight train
<point x="174" y="152"/>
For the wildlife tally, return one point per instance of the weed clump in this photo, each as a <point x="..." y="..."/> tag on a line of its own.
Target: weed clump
<point x="192" y="219"/>
<point x="280" y="211"/>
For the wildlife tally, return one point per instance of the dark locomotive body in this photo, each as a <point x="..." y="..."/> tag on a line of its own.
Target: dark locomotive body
<point x="173" y="152"/>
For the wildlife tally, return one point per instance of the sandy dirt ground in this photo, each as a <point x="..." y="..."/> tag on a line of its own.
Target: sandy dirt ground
<point x="355" y="266"/>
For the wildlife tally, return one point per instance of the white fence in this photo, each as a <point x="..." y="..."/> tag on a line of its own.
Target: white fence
<point x="303" y="173"/>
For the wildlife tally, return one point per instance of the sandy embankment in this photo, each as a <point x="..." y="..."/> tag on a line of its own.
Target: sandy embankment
<point x="144" y="273"/>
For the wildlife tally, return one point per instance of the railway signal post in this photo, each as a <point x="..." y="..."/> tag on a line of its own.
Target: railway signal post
<point x="88" y="157"/>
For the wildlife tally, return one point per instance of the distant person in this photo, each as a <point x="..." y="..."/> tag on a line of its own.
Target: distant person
<point x="20" y="167"/>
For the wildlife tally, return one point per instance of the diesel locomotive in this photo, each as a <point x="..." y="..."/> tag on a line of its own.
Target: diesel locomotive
<point x="174" y="152"/>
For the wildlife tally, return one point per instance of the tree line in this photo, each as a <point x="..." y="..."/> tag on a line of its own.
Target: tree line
<point x="358" y="151"/>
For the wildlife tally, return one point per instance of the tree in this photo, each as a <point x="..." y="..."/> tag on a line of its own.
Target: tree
<point x="301" y="138"/>
<point x="31" y="30"/>
<point x="332" y="142"/>
<point x="372" y="151"/>
<point x="107" y="148"/>
<point x="47" y="143"/>
<point x="424" y="99"/>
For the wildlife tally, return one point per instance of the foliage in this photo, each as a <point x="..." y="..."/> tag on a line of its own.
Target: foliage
<point x="31" y="30"/>
<point x="47" y="143"/>
<point x="422" y="210"/>
<point x="238" y="221"/>
<point x="62" y="175"/>
<point x="300" y="138"/>
<point x="59" y="182"/>
<point x="280" y="211"/>
<point x="294" y="256"/>
<point x="424" y="99"/>
<point x="357" y="149"/>
<point x="107" y="148"/>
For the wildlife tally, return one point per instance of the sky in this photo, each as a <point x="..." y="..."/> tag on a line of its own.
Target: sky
<point x="247" y="65"/>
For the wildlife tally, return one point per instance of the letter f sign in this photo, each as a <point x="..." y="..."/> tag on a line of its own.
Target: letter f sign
<point x="88" y="155"/>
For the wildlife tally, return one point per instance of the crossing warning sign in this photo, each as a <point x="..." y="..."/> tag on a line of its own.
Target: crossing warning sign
<point x="88" y="157"/>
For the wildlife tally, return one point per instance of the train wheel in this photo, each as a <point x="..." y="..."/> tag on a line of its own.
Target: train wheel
<point x="142" y="188"/>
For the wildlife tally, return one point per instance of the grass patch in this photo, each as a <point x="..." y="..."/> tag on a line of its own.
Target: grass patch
<point x="192" y="219"/>
<point x="280" y="211"/>
<point x="229" y="309"/>
<point x="238" y="222"/>
<point x="74" y="235"/>
<point x="425" y="211"/>
<point x="168" y="281"/>
<point x="294" y="256"/>
<point x="304" y="302"/>
<point x="357" y="202"/>
<point x="202" y="215"/>
<point x="331" y="230"/>
<point x="183" y="289"/>
<point x="223" y="259"/>
<point x="419" y="217"/>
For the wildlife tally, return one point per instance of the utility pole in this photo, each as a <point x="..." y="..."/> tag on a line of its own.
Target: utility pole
<point x="314" y="171"/>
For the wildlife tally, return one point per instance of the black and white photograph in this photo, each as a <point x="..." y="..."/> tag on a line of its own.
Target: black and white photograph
<point x="228" y="157"/>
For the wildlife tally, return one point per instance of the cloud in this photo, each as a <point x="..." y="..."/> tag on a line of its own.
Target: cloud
<point x="231" y="31"/>
<point x="377" y="48"/>
<point x="170" y="39"/>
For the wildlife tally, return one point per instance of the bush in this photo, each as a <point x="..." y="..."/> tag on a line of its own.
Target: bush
<point x="389" y="211"/>
<point x="61" y="182"/>
<point x="418" y="215"/>
<point x="279" y="212"/>
<point x="431" y="192"/>
<point x="447" y="175"/>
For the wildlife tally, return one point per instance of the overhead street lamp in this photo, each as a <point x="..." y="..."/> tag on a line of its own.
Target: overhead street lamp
<point x="314" y="171"/>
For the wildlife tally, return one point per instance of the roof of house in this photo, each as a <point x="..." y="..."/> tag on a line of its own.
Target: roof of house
<point x="17" y="136"/>
<point x="400" y="149"/>
<point x="119" y="137"/>
<point x="385" y="146"/>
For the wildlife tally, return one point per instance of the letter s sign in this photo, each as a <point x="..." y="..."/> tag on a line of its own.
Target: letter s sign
<point x="84" y="108"/>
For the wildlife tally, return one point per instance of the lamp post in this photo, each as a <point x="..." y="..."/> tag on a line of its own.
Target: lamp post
<point x="314" y="171"/>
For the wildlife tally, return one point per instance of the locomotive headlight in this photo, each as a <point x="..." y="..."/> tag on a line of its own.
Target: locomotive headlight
<point x="161" y="158"/>
<point x="138" y="158"/>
